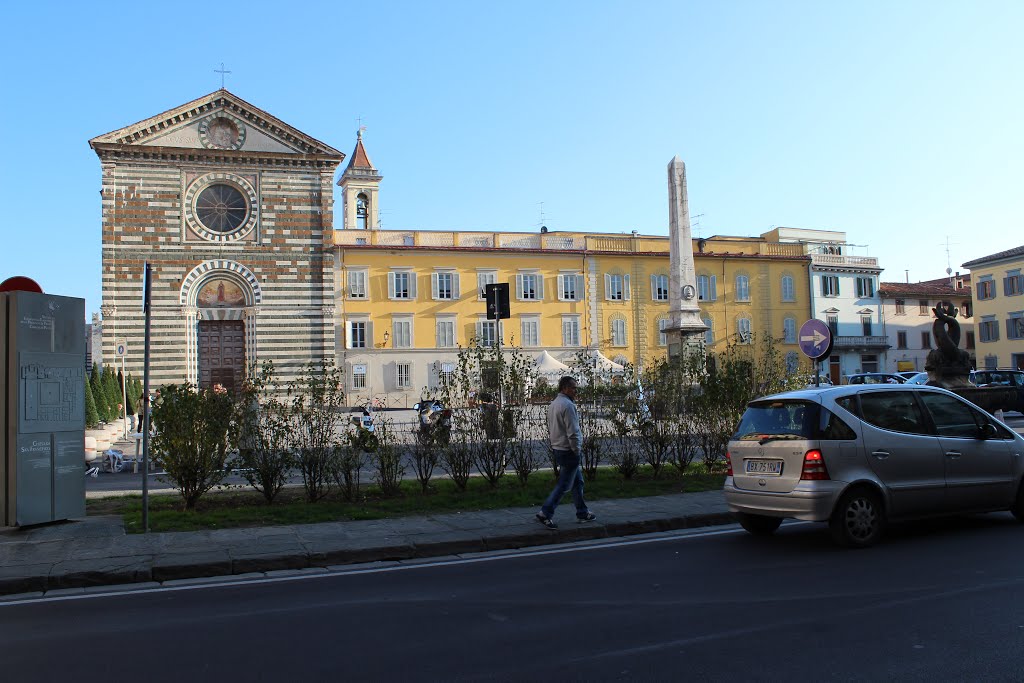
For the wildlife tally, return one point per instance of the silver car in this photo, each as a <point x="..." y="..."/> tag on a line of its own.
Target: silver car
<point x="862" y="455"/>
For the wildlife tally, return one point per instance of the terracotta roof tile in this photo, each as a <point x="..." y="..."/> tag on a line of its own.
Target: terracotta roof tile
<point x="359" y="157"/>
<point x="998" y="256"/>
<point x="929" y="288"/>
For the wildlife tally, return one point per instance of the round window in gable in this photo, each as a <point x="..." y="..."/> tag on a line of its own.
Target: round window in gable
<point x="221" y="208"/>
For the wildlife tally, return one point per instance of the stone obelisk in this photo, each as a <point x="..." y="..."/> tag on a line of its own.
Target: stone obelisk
<point x="686" y="329"/>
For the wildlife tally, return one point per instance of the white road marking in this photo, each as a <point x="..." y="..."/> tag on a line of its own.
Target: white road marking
<point x="662" y="537"/>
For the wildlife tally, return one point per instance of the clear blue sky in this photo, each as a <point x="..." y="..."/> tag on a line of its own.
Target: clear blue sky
<point x="899" y="123"/>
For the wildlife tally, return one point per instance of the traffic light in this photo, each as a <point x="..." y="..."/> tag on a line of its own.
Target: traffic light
<point x="496" y="296"/>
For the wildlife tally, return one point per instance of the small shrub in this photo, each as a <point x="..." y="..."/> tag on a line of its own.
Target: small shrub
<point x="387" y="459"/>
<point x="317" y="398"/>
<point x="263" y="433"/>
<point x="426" y="454"/>
<point x="192" y="442"/>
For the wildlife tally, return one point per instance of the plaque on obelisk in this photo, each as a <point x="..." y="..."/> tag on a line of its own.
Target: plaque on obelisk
<point x="686" y="329"/>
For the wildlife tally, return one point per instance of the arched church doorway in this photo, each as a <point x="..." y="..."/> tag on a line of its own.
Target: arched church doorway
<point x="220" y="334"/>
<point x="221" y="345"/>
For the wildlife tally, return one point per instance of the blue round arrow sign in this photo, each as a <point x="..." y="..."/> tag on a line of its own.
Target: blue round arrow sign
<point x="815" y="339"/>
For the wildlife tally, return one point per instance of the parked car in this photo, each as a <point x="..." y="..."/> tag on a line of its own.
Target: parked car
<point x="875" y="378"/>
<point x="1002" y="378"/>
<point x="918" y="378"/>
<point x="860" y="456"/>
<point x="907" y="374"/>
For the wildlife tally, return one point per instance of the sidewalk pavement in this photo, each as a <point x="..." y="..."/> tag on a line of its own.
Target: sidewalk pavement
<point x="76" y="556"/>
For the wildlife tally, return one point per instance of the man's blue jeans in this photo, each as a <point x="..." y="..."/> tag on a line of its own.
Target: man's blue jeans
<point x="570" y="477"/>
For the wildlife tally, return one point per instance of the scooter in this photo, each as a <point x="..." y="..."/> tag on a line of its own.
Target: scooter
<point x="435" y="423"/>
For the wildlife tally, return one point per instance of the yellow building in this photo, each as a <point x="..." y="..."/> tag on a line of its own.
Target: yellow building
<point x="406" y="300"/>
<point x="998" y="282"/>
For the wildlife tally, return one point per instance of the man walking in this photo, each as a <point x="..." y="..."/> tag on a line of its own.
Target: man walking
<point x="567" y="445"/>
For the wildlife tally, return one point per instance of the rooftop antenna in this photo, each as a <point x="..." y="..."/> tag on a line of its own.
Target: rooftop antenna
<point x="695" y="223"/>
<point x="541" y="221"/>
<point x="949" y="270"/>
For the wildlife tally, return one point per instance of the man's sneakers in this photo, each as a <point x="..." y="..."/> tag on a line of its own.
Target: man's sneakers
<point x="589" y="517"/>
<point x="546" y="521"/>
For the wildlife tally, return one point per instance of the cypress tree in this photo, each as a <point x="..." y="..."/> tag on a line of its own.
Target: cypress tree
<point x="129" y="387"/>
<point x="113" y="392"/>
<point x="92" y="418"/>
<point x="99" y="396"/>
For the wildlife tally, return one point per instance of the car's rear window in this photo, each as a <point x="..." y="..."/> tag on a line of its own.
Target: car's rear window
<point x="791" y="420"/>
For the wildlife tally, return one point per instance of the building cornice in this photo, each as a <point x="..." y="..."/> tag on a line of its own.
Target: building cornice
<point x="115" y="152"/>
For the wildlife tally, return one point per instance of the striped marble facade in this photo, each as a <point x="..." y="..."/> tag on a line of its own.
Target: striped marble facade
<point x="279" y="259"/>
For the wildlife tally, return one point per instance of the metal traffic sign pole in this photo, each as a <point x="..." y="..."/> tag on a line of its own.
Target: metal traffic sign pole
<point x="122" y="351"/>
<point x="815" y="340"/>
<point x="497" y="310"/>
<point x="145" y="399"/>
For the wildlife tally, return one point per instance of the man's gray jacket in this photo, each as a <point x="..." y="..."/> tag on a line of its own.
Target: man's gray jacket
<point x="564" y="425"/>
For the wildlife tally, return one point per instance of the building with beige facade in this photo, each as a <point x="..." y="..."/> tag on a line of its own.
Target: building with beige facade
<point x="234" y="210"/>
<point x="908" y="318"/>
<point x="999" y="308"/>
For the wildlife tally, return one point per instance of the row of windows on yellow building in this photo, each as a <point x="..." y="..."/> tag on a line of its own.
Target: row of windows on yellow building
<point x="410" y="294"/>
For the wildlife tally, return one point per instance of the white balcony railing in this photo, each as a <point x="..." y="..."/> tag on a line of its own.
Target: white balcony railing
<point x="837" y="260"/>
<point x="861" y="341"/>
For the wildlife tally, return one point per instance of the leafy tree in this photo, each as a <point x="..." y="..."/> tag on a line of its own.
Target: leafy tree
<point x="262" y="431"/>
<point x="317" y="398"/>
<point x="727" y="382"/>
<point x="92" y="418"/>
<point x="192" y="442"/>
<point x="425" y="457"/>
<point x="387" y="459"/>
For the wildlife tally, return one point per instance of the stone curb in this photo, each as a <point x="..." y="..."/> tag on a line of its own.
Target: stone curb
<point x="204" y="564"/>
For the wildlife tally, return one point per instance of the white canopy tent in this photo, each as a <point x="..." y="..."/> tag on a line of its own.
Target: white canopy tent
<point x="604" y="363"/>
<point x="547" y="365"/>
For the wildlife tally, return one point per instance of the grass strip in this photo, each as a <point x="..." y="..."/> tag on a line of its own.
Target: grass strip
<point x="242" y="507"/>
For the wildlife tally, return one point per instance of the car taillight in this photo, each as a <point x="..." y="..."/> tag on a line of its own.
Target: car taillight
<point x="728" y="461"/>
<point x="814" y="466"/>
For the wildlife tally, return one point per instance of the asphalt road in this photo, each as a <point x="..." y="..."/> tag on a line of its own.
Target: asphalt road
<point x="936" y="601"/>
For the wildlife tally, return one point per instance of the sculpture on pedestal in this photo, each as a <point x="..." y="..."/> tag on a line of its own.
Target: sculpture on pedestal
<point x="948" y="366"/>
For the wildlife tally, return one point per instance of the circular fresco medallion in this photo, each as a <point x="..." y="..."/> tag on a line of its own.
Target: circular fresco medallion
<point x="222" y="132"/>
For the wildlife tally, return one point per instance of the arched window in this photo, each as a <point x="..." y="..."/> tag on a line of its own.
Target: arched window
<point x="788" y="288"/>
<point x="362" y="211"/>
<point x="706" y="288"/>
<point x="743" y="331"/>
<point x="789" y="330"/>
<point x="618" y="332"/>
<point x="659" y="288"/>
<point x="742" y="288"/>
<point x="662" y="336"/>
<point x="792" y="362"/>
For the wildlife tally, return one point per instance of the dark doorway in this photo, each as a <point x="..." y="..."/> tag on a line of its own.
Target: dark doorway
<point x="221" y="346"/>
<point x="834" y="372"/>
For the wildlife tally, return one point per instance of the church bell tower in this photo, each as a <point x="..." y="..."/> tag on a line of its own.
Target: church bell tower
<point x="360" y="184"/>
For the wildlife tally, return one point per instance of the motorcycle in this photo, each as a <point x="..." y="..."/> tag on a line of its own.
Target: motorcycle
<point x="435" y="423"/>
<point x="363" y="436"/>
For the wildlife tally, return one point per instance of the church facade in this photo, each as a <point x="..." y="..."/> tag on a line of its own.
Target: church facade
<point x="233" y="210"/>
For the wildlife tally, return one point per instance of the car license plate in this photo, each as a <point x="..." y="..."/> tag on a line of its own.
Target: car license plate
<point x="773" y="467"/>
